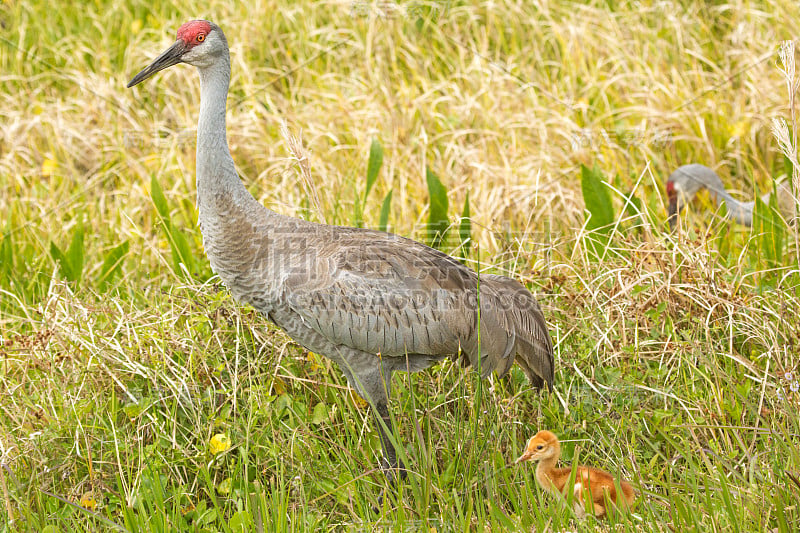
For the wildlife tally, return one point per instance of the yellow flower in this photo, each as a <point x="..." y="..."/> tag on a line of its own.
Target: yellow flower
<point x="314" y="365"/>
<point x="219" y="443"/>
<point x="49" y="167"/>
<point x="88" y="501"/>
<point x="136" y="26"/>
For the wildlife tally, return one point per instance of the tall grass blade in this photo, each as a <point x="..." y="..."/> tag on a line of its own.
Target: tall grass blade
<point x="788" y="168"/>
<point x="373" y="165"/>
<point x="437" y="210"/>
<point x="386" y="206"/>
<point x="634" y="209"/>
<point x="63" y="263"/>
<point x="70" y="263"/>
<point x="600" y="211"/>
<point x="769" y="231"/>
<point x="181" y="252"/>
<point x="75" y="252"/>
<point x="727" y="501"/>
<point x="6" y="255"/>
<point x="112" y="265"/>
<point x="465" y="230"/>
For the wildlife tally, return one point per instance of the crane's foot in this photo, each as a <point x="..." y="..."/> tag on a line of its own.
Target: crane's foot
<point x="394" y="471"/>
<point x="393" y="474"/>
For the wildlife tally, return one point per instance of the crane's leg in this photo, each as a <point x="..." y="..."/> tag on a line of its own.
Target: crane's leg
<point x="391" y="466"/>
<point x="372" y="378"/>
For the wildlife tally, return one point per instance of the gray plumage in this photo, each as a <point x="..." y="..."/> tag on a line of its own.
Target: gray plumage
<point x="372" y="302"/>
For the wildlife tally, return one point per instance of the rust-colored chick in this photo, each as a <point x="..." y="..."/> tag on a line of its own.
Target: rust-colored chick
<point x="590" y="483"/>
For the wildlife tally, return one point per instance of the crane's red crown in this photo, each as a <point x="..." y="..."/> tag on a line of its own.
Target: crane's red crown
<point x="194" y="32"/>
<point x="670" y="188"/>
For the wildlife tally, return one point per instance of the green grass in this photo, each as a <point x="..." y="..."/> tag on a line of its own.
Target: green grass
<point x="118" y="366"/>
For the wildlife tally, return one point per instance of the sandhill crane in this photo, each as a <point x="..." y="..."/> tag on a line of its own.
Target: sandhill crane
<point x="589" y="484"/>
<point x="372" y="302"/>
<point x="686" y="181"/>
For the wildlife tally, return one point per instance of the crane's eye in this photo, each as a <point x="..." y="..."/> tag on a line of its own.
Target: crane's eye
<point x="200" y="37"/>
<point x="539" y="447"/>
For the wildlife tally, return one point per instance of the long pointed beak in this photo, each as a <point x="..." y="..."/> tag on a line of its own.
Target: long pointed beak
<point x="170" y="56"/>
<point x="672" y="212"/>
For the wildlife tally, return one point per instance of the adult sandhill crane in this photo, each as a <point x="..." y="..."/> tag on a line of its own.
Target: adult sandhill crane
<point x="686" y="181"/>
<point x="372" y="302"/>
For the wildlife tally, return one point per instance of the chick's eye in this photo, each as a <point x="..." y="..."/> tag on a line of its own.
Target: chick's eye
<point x="200" y="37"/>
<point x="539" y="447"/>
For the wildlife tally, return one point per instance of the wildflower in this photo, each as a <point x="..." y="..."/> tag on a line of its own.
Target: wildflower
<point x="88" y="501"/>
<point x="219" y="443"/>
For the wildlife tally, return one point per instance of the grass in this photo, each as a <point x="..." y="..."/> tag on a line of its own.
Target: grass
<point x="138" y="396"/>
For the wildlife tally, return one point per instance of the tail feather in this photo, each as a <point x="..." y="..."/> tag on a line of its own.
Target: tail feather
<point x="513" y="328"/>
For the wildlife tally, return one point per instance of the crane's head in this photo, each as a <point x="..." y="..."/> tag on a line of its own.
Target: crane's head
<point x="683" y="184"/>
<point x="672" y="207"/>
<point x="200" y="43"/>
<point x="543" y="445"/>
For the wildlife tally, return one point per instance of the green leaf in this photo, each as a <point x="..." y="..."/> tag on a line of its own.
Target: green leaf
<point x="768" y="229"/>
<point x="465" y="229"/>
<point x="787" y="166"/>
<point x="181" y="251"/>
<point x="383" y="224"/>
<point x="184" y="252"/>
<point x="600" y="211"/>
<point x="63" y="263"/>
<point x="373" y="165"/>
<point x="159" y="200"/>
<point x="437" y="211"/>
<point x="633" y="206"/>
<point x="7" y="254"/>
<point x="112" y="264"/>
<point x="501" y="519"/>
<point x="241" y="522"/>
<point x="75" y="251"/>
<point x="320" y="414"/>
<point x="70" y="262"/>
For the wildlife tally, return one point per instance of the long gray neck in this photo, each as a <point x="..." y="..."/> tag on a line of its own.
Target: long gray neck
<point x="741" y="212"/>
<point x="701" y="176"/>
<point x="216" y="173"/>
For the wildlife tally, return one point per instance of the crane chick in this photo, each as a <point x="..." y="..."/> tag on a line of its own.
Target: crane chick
<point x="589" y="484"/>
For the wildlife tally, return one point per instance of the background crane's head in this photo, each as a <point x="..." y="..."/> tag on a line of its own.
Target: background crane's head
<point x="199" y="43"/>
<point x="682" y="185"/>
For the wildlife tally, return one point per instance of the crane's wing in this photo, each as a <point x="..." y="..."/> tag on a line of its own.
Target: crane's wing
<point x="380" y="293"/>
<point x="509" y="311"/>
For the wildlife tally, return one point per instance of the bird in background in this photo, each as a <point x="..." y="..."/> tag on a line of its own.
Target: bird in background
<point x="688" y="180"/>
<point x="373" y="302"/>
<point x="589" y="486"/>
